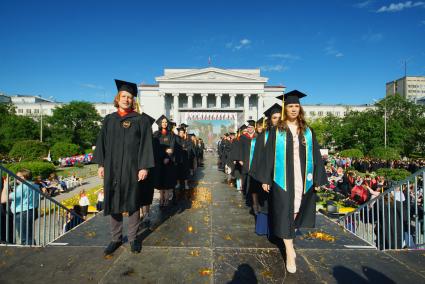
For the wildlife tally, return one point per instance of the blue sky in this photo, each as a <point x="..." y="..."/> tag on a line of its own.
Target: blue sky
<point x="336" y="51"/>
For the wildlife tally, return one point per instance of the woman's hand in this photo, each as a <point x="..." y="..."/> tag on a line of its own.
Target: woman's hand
<point x="143" y="174"/>
<point x="166" y="160"/>
<point x="266" y="187"/>
<point x="101" y="172"/>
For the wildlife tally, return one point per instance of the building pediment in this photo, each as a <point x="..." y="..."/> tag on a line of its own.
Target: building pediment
<point x="211" y="74"/>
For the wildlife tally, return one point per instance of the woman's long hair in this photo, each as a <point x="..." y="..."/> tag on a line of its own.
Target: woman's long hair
<point x="302" y="123"/>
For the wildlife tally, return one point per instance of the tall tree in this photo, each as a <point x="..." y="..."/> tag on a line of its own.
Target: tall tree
<point x="76" y="122"/>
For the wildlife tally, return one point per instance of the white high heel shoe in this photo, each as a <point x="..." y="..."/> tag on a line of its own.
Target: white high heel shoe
<point x="293" y="267"/>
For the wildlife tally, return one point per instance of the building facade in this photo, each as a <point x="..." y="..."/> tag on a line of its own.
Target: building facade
<point x="410" y="87"/>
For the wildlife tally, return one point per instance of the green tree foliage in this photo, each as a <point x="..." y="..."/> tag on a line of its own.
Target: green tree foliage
<point x="76" y="122"/>
<point x="393" y="174"/>
<point x="365" y="130"/>
<point x="64" y="149"/>
<point x="384" y="153"/>
<point x="28" y="150"/>
<point x="43" y="169"/>
<point x="14" y="128"/>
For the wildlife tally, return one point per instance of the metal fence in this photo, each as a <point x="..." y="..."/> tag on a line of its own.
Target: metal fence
<point x="28" y="216"/>
<point x="394" y="219"/>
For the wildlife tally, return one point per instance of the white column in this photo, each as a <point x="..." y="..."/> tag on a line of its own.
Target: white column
<point x="162" y="103"/>
<point x="246" y="105"/>
<point x="189" y="100"/>
<point x="176" y="107"/>
<point x="204" y="100"/>
<point x="218" y="100"/>
<point x="232" y="100"/>
<point x="260" y="105"/>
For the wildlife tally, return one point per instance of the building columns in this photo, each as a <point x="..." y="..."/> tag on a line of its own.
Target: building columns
<point x="260" y="105"/>
<point x="189" y="100"/>
<point x="246" y="105"/>
<point x="218" y="100"/>
<point x="162" y="103"/>
<point x="204" y="100"/>
<point x="176" y="107"/>
<point x="232" y="100"/>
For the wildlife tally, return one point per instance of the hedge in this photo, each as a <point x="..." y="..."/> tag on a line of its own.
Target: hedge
<point x="64" y="149"/>
<point x="393" y="174"/>
<point x="28" y="150"/>
<point x="351" y="153"/>
<point x="43" y="169"/>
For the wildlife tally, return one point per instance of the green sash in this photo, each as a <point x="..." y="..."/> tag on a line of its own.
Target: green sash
<point x="279" y="176"/>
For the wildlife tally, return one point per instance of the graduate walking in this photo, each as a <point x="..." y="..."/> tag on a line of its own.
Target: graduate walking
<point x="124" y="154"/>
<point x="292" y="167"/>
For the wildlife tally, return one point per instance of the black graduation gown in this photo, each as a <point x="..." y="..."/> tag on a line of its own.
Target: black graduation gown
<point x="167" y="176"/>
<point x="183" y="148"/>
<point x="281" y="202"/>
<point x="123" y="152"/>
<point x="254" y="185"/>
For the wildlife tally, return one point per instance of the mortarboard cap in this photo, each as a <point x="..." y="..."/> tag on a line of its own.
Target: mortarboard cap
<point x="243" y="127"/>
<point x="126" y="86"/>
<point x="293" y="97"/>
<point x="159" y="120"/>
<point x="250" y="122"/>
<point x="184" y="125"/>
<point x="276" y="108"/>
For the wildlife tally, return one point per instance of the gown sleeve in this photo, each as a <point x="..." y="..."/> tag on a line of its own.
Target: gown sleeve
<point x="319" y="174"/>
<point x="264" y="170"/>
<point x="145" y="156"/>
<point x="99" y="152"/>
<point x="258" y="150"/>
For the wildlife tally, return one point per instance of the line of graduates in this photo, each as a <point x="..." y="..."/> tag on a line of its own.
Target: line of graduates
<point x="133" y="161"/>
<point x="277" y="164"/>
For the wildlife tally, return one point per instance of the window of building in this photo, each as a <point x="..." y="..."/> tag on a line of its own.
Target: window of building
<point x="337" y="113"/>
<point x="20" y="110"/>
<point x="328" y="113"/>
<point x="36" y="111"/>
<point x="320" y="113"/>
<point x="312" y="113"/>
<point x="28" y="111"/>
<point x="103" y="111"/>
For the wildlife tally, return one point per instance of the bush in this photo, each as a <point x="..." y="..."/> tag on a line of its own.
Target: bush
<point x="43" y="169"/>
<point x="29" y="150"/>
<point x="393" y="174"/>
<point x="352" y="153"/>
<point x="384" y="153"/>
<point x="64" y="149"/>
<point x="88" y="151"/>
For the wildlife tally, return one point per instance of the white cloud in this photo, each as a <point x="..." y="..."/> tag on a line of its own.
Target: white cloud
<point x="373" y="37"/>
<point x="92" y="86"/>
<point x="274" y="68"/>
<point x="397" y="7"/>
<point x="285" y="56"/>
<point x="363" y="4"/>
<point x="243" y="43"/>
<point x="330" y="49"/>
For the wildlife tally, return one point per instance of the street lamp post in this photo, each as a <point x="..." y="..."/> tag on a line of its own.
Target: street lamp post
<point x="41" y="123"/>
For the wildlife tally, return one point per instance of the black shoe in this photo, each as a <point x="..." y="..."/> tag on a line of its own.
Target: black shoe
<point x="112" y="247"/>
<point x="136" y="246"/>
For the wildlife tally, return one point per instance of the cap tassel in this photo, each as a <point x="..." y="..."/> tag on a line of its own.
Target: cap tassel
<point x="264" y="120"/>
<point x="283" y="108"/>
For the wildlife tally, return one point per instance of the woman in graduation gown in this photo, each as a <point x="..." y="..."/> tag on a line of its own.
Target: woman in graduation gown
<point x="292" y="168"/>
<point x="183" y="150"/>
<point x="165" y="139"/>
<point x="124" y="154"/>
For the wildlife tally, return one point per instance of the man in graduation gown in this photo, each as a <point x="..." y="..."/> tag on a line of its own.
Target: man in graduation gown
<point x="247" y="144"/>
<point x="124" y="154"/>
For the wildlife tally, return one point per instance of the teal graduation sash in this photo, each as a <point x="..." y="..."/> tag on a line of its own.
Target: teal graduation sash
<point x="251" y="151"/>
<point x="279" y="176"/>
<point x="266" y="137"/>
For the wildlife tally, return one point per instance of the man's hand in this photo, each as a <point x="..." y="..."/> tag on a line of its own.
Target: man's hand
<point x="241" y="163"/>
<point x="143" y="174"/>
<point x="101" y="172"/>
<point x="266" y="187"/>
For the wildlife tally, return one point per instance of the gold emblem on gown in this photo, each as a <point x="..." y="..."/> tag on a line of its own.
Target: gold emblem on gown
<point x="126" y="123"/>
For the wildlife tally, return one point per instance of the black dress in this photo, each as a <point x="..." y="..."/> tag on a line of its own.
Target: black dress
<point x="124" y="146"/>
<point x="281" y="202"/>
<point x="167" y="176"/>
